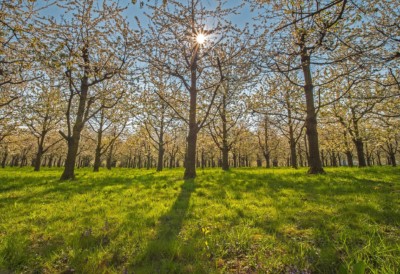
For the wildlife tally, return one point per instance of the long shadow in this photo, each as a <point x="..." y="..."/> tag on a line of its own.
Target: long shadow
<point x="164" y="248"/>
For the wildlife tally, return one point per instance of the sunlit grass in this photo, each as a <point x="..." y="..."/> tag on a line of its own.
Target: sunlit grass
<point x="242" y="221"/>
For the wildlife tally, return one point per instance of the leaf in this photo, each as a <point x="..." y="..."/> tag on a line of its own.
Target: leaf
<point x="359" y="268"/>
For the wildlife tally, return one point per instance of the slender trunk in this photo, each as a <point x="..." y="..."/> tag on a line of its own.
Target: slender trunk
<point x="259" y="162"/>
<point x="266" y="152"/>
<point x="110" y="157"/>
<point x="311" y="117"/>
<point x="334" y="159"/>
<point x="50" y="162"/>
<point x="378" y="156"/>
<point x="203" y="160"/>
<point x="97" y="155"/>
<point x="4" y="160"/>
<point x="190" y="163"/>
<point x="59" y="161"/>
<point x="225" y="147"/>
<point x="300" y="155"/>
<point x="225" y="158"/>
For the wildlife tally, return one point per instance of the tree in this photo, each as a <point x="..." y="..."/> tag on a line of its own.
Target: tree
<point x="18" y="59"/>
<point x="308" y="35"/>
<point x="109" y="123"/>
<point x="89" y="46"/>
<point x="158" y="116"/>
<point x="238" y="74"/>
<point x="42" y="115"/>
<point x="176" y="45"/>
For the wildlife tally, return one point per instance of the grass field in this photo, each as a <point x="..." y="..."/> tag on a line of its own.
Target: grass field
<point x="242" y="221"/>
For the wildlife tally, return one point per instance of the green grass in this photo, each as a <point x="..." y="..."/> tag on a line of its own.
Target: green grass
<point x="242" y="221"/>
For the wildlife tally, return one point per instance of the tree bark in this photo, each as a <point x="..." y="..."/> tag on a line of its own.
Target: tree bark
<point x="160" y="161"/>
<point x="360" y="152"/>
<point x="190" y="163"/>
<point x="97" y="159"/>
<point x="38" y="159"/>
<point x="73" y="144"/>
<point x="349" y="156"/>
<point x="73" y="140"/>
<point x="311" y="117"/>
<point x="110" y="157"/>
<point x="392" y="157"/>
<point x="4" y="160"/>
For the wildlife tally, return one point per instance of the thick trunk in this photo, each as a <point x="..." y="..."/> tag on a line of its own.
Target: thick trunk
<point x="38" y="159"/>
<point x="225" y="157"/>
<point x="311" y="117"/>
<point x="97" y="159"/>
<point x="73" y="144"/>
<point x="360" y="152"/>
<point x="392" y="156"/>
<point x="349" y="156"/>
<point x="267" y="160"/>
<point x="160" y="160"/>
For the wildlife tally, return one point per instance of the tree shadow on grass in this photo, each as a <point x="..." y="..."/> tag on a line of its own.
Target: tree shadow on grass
<point x="163" y="251"/>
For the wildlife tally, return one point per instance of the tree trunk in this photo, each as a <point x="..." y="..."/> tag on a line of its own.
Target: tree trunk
<point x="69" y="169"/>
<point x="190" y="163"/>
<point x="311" y="117"/>
<point x="50" y="162"/>
<point x="110" y="157"/>
<point x="4" y="160"/>
<point x="97" y="159"/>
<point x="38" y="159"/>
<point x="360" y="152"/>
<point x="160" y="160"/>
<point x="349" y="156"/>
<point x="392" y="156"/>
<point x="225" y="157"/>
<point x="73" y="141"/>
<point x="267" y="160"/>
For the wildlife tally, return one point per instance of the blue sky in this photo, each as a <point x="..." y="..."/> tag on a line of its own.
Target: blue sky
<point x="244" y="17"/>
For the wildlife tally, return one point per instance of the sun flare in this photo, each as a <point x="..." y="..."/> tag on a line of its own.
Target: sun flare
<point x="200" y="38"/>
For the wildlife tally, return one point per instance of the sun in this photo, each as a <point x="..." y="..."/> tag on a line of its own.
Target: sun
<point x="200" y="38"/>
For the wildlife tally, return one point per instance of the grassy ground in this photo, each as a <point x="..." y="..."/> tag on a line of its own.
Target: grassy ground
<point x="242" y="221"/>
